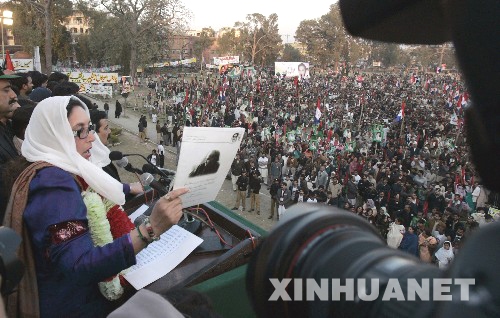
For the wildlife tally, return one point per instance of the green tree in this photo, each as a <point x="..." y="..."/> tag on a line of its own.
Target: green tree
<point x="105" y="41"/>
<point x="41" y="19"/>
<point x="204" y="42"/>
<point x="387" y="53"/>
<point x="291" y="54"/>
<point x="229" y="43"/>
<point x="325" y="38"/>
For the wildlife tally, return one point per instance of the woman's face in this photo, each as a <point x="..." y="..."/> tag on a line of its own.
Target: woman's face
<point x="79" y="119"/>
<point x="104" y="130"/>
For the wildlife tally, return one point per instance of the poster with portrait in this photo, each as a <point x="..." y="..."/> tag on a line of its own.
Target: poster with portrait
<point x="204" y="161"/>
<point x="292" y="69"/>
<point x="349" y="146"/>
<point x="377" y="133"/>
<point x="235" y="72"/>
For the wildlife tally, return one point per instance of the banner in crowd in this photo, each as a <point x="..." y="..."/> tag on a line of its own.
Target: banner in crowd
<point x="93" y="78"/>
<point x="173" y="63"/>
<point x="377" y="133"/>
<point x="249" y="71"/>
<point x="126" y="87"/>
<point x="223" y="60"/>
<point x="96" y="89"/>
<point x="105" y="69"/>
<point x="292" y="69"/>
<point x="21" y="65"/>
<point x="236" y="71"/>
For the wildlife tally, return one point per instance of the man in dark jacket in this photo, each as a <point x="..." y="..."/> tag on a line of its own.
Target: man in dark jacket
<point x="255" y="189"/>
<point x="273" y="191"/>
<point x="8" y="103"/>
<point x="242" y="184"/>
<point x="284" y="197"/>
<point x="236" y="168"/>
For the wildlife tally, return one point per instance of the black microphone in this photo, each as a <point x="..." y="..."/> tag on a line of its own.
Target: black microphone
<point x="123" y="163"/>
<point x="147" y="179"/>
<point x="117" y="155"/>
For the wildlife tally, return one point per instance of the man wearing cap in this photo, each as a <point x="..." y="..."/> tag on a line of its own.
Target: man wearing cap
<point x="236" y="168"/>
<point x="242" y="184"/>
<point x="8" y="103"/>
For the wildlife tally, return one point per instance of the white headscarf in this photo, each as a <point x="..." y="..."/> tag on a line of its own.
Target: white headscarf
<point x="49" y="138"/>
<point x="99" y="152"/>
<point x="444" y="255"/>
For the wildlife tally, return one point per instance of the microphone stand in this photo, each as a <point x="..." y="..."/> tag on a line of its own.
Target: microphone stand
<point x="154" y="166"/>
<point x="189" y="223"/>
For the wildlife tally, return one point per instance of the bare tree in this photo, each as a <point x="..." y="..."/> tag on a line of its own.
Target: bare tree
<point x="260" y="33"/>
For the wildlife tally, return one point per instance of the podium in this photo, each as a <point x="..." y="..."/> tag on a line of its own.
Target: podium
<point x="213" y="268"/>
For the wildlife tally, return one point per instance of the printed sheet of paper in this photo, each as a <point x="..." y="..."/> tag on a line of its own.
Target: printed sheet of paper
<point x="205" y="159"/>
<point x="162" y="256"/>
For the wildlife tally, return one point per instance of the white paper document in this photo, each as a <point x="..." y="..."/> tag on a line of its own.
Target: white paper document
<point x="162" y="256"/>
<point x="205" y="159"/>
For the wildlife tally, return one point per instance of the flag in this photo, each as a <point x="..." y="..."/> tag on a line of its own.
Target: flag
<point x="7" y="64"/>
<point x="427" y="84"/>
<point x="186" y="99"/>
<point x="37" y="65"/>
<point x="317" y="116"/>
<point x="465" y="99"/>
<point x="401" y="113"/>
<point x="454" y="119"/>
<point x="459" y="102"/>
<point x="296" y="82"/>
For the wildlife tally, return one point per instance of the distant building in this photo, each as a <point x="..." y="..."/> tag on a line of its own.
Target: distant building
<point x="77" y="23"/>
<point x="193" y="32"/>
<point x="225" y="30"/>
<point x="180" y="47"/>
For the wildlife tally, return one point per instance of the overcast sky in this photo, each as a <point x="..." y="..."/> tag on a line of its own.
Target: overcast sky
<point x="218" y="13"/>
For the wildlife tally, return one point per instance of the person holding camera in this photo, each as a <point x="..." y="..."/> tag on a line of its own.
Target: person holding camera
<point x="66" y="251"/>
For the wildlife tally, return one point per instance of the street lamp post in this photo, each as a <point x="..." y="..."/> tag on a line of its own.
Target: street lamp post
<point x="6" y="18"/>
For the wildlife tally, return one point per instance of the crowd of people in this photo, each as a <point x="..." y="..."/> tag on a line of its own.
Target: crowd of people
<point x="389" y="146"/>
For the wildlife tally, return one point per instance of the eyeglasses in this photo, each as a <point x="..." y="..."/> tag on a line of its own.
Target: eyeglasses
<point x="83" y="132"/>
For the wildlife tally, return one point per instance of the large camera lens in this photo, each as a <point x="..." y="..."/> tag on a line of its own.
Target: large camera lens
<point x="323" y="243"/>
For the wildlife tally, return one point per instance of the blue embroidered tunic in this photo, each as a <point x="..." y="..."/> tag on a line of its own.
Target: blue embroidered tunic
<point x="68" y="266"/>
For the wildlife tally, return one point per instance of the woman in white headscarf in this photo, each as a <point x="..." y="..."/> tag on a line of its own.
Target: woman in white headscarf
<point x="444" y="255"/>
<point x="46" y="207"/>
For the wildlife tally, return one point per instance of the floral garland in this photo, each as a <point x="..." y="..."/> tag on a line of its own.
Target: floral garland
<point x="107" y="221"/>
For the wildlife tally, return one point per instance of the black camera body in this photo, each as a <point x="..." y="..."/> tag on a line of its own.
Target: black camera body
<point x="319" y="242"/>
<point x="11" y="267"/>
